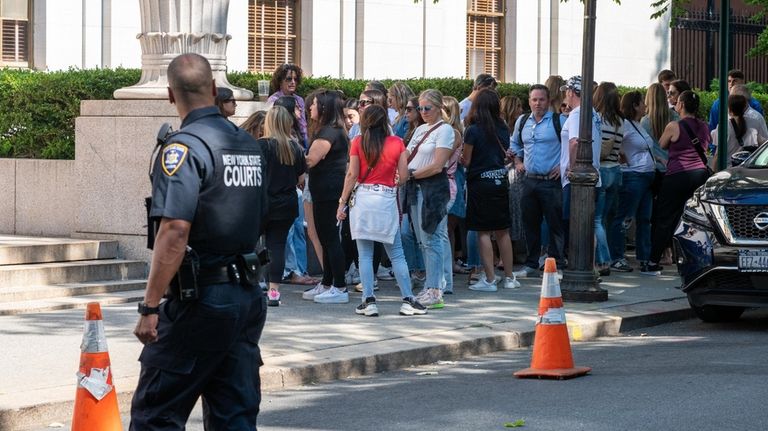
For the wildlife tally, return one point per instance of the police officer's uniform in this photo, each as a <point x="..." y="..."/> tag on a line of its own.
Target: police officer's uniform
<point x="212" y="174"/>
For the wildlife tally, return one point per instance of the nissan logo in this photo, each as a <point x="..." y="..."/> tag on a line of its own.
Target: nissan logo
<point x="761" y="221"/>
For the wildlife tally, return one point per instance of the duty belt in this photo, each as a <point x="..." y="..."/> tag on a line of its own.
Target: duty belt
<point x="218" y="275"/>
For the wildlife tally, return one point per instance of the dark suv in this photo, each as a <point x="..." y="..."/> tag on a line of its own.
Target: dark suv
<point x="721" y="243"/>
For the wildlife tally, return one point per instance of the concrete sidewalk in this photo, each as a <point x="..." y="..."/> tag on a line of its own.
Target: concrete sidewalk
<point x="305" y="342"/>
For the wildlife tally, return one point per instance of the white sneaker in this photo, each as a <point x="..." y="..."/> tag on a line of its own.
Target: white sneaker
<point x="334" y="295"/>
<point x="411" y="307"/>
<point x="353" y="275"/>
<point x="384" y="273"/>
<point x="310" y="294"/>
<point x="511" y="283"/>
<point x="367" y="308"/>
<point x="526" y="272"/>
<point x="484" y="285"/>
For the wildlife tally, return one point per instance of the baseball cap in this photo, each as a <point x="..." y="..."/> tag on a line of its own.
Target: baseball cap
<point x="574" y="83"/>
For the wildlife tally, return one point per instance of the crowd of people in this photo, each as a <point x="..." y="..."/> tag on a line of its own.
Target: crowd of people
<point x="416" y="188"/>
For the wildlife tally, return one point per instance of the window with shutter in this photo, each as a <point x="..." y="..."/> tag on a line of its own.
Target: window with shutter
<point x="272" y="34"/>
<point x="14" y="28"/>
<point x="485" y="38"/>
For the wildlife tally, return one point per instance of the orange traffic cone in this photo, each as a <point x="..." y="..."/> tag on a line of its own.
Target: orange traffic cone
<point x="96" y="399"/>
<point x="552" y="356"/>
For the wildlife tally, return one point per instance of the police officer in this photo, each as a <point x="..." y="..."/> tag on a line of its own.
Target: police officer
<point x="209" y="196"/>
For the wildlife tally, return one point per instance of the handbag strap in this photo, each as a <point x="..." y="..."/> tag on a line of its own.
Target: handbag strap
<point x="694" y="141"/>
<point x="740" y="140"/>
<point x="424" y="138"/>
<point x="632" y="122"/>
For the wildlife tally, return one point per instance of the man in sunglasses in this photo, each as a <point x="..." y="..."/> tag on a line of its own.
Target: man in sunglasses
<point x="482" y="82"/>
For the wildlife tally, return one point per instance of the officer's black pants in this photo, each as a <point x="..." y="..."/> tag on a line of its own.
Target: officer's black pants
<point x="207" y="348"/>
<point x="330" y="241"/>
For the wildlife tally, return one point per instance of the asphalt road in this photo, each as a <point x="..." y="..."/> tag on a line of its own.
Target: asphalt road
<point x="682" y="376"/>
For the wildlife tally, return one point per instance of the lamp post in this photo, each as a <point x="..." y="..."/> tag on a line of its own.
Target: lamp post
<point x="722" y="129"/>
<point x="579" y="280"/>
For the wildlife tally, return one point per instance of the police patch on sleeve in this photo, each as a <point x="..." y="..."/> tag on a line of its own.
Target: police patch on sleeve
<point x="173" y="157"/>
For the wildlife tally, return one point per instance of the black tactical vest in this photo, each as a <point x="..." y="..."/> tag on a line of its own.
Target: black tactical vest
<point x="233" y="199"/>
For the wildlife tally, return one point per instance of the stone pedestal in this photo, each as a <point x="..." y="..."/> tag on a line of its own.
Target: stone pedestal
<point x="114" y="140"/>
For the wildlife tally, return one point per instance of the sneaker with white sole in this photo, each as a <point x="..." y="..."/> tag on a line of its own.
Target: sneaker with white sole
<point x="431" y="298"/>
<point x="412" y="307"/>
<point x="484" y="285"/>
<point x="511" y="283"/>
<point x="368" y="308"/>
<point x="334" y="295"/>
<point x="620" y="265"/>
<point x="526" y="272"/>
<point x="310" y="294"/>
<point x="273" y="298"/>
<point x="359" y="286"/>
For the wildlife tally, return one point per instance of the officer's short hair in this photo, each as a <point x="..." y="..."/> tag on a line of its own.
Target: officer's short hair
<point x="541" y="87"/>
<point x="190" y="76"/>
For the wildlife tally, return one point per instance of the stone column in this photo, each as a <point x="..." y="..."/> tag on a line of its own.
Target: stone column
<point x="173" y="27"/>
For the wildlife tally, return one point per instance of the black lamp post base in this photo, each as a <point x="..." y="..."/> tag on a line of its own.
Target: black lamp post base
<point x="582" y="286"/>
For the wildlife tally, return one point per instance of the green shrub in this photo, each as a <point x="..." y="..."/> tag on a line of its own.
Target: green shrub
<point x="38" y="109"/>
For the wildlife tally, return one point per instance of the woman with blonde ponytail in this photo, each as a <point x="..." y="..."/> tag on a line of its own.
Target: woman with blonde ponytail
<point x="285" y="159"/>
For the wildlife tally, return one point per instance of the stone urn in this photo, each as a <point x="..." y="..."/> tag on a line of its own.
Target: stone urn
<point x="173" y="27"/>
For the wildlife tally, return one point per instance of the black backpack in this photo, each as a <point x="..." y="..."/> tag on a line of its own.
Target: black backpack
<point x="555" y="122"/>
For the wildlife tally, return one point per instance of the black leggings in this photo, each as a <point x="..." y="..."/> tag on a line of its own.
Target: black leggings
<point x="328" y="233"/>
<point x="676" y="189"/>
<point x="276" y="234"/>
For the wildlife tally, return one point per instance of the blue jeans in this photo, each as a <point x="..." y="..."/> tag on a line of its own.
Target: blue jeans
<point x="434" y="247"/>
<point x="473" y="253"/>
<point x="635" y="203"/>
<point x="296" y="245"/>
<point x="411" y="249"/>
<point x="399" y="267"/>
<point x="605" y="198"/>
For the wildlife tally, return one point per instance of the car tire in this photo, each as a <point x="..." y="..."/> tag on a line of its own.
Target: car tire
<point x="717" y="313"/>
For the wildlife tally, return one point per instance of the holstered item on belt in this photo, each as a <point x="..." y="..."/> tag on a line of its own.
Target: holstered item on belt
<point x="252" y="266"/>
<point x="184" y="284"/>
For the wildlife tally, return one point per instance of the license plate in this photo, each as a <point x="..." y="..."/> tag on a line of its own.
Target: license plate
<point x="753" y="260"/>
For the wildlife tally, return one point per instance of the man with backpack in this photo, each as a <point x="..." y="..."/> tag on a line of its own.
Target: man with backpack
<point x="536" y="148"/>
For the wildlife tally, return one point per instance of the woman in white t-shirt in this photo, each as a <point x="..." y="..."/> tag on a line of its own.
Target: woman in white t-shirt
<point x="635" y="197"/>
<point x="428" y="194"/>
<point x="739" y="135"/>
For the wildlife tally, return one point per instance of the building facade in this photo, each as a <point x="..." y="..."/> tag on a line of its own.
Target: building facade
<point x="516" y="40"/>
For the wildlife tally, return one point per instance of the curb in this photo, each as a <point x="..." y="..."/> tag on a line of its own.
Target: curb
<point x="364" y="359"/>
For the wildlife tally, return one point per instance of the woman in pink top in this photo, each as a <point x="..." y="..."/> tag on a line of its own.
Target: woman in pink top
<point x="378" y="162"/>
<point x="686" y="140"/>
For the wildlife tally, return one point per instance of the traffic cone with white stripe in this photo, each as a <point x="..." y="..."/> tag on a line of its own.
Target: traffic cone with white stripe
<point x="96" y="399"/>
<point x="552" y="356"/>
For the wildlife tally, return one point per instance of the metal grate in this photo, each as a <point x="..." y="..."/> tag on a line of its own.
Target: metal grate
<point x="741" y="221"/>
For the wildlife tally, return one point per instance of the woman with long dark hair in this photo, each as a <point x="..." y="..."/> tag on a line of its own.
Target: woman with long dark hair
<point x="607" y="104"/>
<point x="285" y="159"/>
<point x="486" y="141"/>
<point x="375" y="160"/>
<point x="327" y="162"/>
<point x="686" y="140"/>
<point x="739" y="135"/>
<point x="635" y="197"/>
<point x="285" y="81"/>
<point x="410" y="246"/>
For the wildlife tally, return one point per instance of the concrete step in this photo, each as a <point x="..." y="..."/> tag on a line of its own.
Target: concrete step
<point x="65" y="303"/>
<point x="71" y="272"/>
<point x="30" y="293"/>
<point x="16" y="250"/>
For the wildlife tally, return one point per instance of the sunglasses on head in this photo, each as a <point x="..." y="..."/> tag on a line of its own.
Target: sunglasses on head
<point x="424" y="108"/>
<point x="365" y="102"/>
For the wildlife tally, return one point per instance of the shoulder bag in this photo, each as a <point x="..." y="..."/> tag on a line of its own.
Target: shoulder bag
<point x="696" y="145"/>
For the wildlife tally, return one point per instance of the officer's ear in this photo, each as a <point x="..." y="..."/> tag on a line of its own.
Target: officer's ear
<point x="170" y="96"/>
